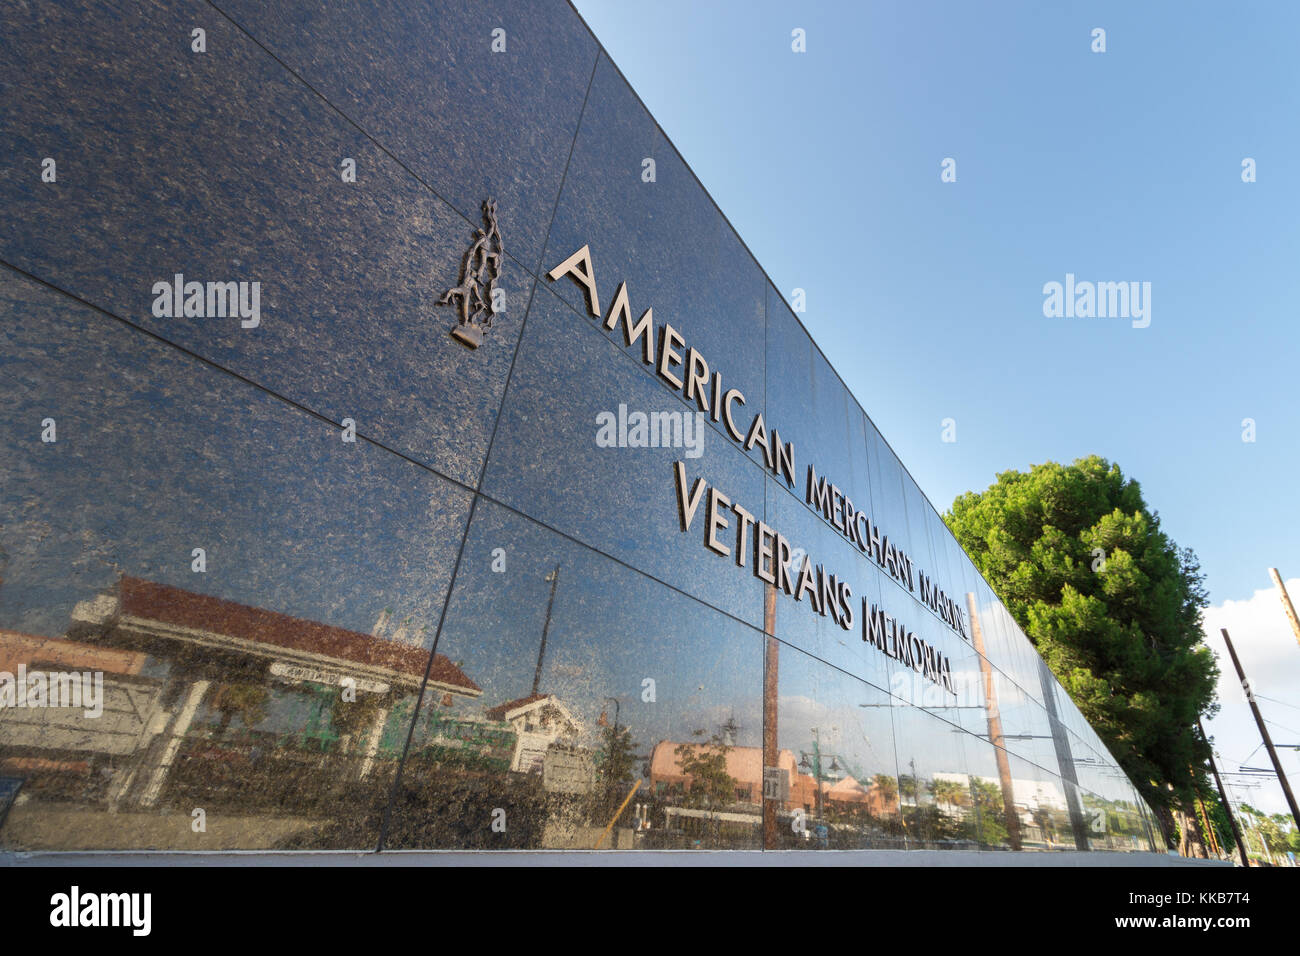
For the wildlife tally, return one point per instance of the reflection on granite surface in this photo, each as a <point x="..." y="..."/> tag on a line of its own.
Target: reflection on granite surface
<point x="314" y="574"/>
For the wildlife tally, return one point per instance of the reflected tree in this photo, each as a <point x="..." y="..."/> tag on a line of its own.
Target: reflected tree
<point x="616" y="763"/>
<point x="949" y="792"/>
<point x="706" y="764"/>
<point x="242" y="700"/>
<point x="887" y="787"/>
<point x="907" y="787"/>
<point x="986" y="824"/>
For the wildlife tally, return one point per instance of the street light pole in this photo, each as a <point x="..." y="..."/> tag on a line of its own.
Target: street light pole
<point x="611" y="783"/>
<point x="817" y="771"/>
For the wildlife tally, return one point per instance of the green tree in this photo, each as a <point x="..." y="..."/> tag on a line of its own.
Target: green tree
<point x="887" y="786"/>
<point x="929" y="823"/>
<point x="950" y="792"/>
<point x="986" y="820"/>
<point x="1219" y="822"/>
<point x="1265" y="834"/>
<point x="706" y="764"/>
<point x="615" y="762"/>
<point x="1114" y="608"/>
<point x="907" y="787"/>
<point x="351" y="718"/>
<point x="1278" y="830"/>
<point x="245" y="701"/>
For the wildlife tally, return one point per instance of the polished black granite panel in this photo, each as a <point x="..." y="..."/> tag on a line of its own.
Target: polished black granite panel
<point x="626" y="667"/>
<point x="220" y="166"/>
<point x="664" y="238"/>
<point x="479" y="99"/>
<point x="798" y="621"/>
<point x="551" y="459"/>
<point x="838" y="734"/>
<point x="222" y="559"/>
<point x="808" y="402"/>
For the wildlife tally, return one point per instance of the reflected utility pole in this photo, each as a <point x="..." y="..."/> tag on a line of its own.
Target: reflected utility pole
<point x="770" y="752"/>
<point x="611" y="786"/>
<point x="554" y="578"/>
<point x="995" y="731"/>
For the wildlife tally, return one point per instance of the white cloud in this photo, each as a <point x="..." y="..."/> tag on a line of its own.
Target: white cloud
<point x="1270" y="657"/>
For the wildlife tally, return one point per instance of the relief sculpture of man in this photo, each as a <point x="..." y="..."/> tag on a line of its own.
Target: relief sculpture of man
<point x="479" y="271"/>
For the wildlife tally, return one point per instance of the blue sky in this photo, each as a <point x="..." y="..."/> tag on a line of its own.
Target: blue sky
<point x="1115" y="166"/>
<point x="928" y="296"/>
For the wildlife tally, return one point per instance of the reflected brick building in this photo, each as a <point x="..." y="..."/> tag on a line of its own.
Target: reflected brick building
<point x="745" y="766"/>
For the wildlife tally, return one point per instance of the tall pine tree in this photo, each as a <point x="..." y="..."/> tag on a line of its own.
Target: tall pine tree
<point x="1114" y="608"/>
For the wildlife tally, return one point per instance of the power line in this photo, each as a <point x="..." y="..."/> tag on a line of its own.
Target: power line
<point x="1284" y="727"/>
<point x="1263" y="730"/>
<point x="1276" y="701"/>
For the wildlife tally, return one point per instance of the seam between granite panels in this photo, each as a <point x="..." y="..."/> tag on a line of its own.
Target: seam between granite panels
<point x="472" y="223"/>
<point x="457" y="483"/>
<point x="536" y="273"/>
<point x="462" y="485"/>
<point x="487" y="457"/>
<point x="601" y="51"/>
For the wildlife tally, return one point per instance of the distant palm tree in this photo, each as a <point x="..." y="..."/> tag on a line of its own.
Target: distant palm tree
<point x="887" y="787"/>
<point x="950" y="792"/>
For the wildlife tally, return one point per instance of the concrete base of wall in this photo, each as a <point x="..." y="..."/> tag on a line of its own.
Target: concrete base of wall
<point x="45" y="829"/>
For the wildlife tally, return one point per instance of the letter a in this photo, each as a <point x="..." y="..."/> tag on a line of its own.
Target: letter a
<point x="585" y="277"/>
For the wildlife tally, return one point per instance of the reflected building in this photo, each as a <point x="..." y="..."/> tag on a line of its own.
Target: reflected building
<point x="539" y="723"/>
<point x="371" y="445"/>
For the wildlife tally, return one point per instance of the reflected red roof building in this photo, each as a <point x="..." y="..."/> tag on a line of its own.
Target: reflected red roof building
<point x="501" y="711"/>
<point x="142" y="612"/>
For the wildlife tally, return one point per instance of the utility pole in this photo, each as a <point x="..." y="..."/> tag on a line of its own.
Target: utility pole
<point x="1223" y="795"/>
<point x="1263" y="731"/>
<point x="1005" y="784"/>
<point x="554" y="578"/>
<point x="771" y="663"/>
<point x="1209" y="829"/>
<point x="1286" y="603"/>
